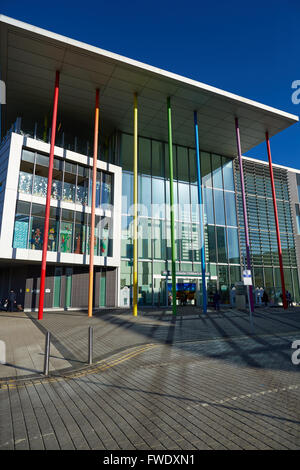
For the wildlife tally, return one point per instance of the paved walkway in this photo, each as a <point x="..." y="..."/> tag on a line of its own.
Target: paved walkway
<point x="197" y="383"/>
<point x="118" y="330"/>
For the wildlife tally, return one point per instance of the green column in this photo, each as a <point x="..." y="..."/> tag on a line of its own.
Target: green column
<point x="172" y="207"/>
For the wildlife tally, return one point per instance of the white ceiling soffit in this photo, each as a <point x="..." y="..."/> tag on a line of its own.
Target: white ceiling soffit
<point x="30" y="56"/>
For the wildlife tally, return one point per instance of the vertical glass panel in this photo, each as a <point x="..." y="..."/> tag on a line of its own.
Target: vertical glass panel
<point x="184" y="202"/>
<point x="159" y="239"/>
<point x="144" y="245"/>
<point x="127" y="193"/>
<point x="145" y="283"/>
<point x="127" y="242"/>
<point x="37" y="227"/>
<point x="219" y="207"/>
<point x="105" y="237"/>
<point x="208" y="206"/>
<point x="40" y="184"/>
<point x="25" y="182"/>
<point x="144" y="194"/>
<point x="223" y="284"/>
<point x="158" y="159"/>
<point x="216" y="162"/>
<point x="235" y="275"/>
<point x="296" y="286"/>
<point x="205" y="163"/>
<point x="195" y="203"/>
<point x="98" y="188"/>
<point x="211" y="242"/>
<point x="82" y="185"/>
<point x="79" y="238"/>
<point x="167" y="169"/>
<point x="106" y="190"/>
<point x="233" y="245"/>
<point x="222" y="245"/>
<point x="196" y="242"/>
<point x="186" y="242"/>
<point x="144" y="156"/>
<point x="269" y="283"/>
<point x="53" y="229"/>
<point x="193" y="167"/>
<point x="21" y="225"/>
<point x="183" y="164"/>
<point x="69" y="182"/>
<point x="126" y="152"/>
<point x="230" y="208"/>
<point x="228" y="174"/>
<point x="258" y="277"/>
<point x="26" y="172"/>
<point x="56" y="189"/>
<point x="27" y="156"/>
<point x="158" y="198"/>
<point x="66" y="231"/>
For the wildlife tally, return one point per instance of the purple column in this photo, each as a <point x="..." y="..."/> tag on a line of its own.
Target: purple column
<point x="238" y="143"/>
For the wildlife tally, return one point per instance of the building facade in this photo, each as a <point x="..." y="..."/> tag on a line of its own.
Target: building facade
<point x="24" y="164"/>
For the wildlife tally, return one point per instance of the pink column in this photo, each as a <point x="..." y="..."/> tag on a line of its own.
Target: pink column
<point x="238" y="142"/>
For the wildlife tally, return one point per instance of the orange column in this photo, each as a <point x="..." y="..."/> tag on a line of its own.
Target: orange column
<point x="92" y="235"/>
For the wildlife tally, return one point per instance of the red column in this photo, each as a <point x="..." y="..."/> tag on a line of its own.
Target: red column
<point x="47" y="210"/>
<point x="276" y="222"/>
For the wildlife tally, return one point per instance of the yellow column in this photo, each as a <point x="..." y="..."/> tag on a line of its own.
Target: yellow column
<point x="135" y="202"/>
<point x="92" y="235"/>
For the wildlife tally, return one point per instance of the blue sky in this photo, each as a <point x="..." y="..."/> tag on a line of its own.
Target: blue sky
<point x="252" y="50"/>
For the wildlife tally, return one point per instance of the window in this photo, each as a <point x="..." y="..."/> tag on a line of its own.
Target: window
<point x="69" y="182"/>
<point x="21" y="225"/>
<point x="66" y="231"/>
<point x="37" y="227"/>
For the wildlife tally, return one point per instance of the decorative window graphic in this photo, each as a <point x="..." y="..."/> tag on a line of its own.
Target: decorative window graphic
<point x="66" y="231"/>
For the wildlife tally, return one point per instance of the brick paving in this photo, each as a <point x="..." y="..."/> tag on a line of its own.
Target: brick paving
<point x="202" y="383"/>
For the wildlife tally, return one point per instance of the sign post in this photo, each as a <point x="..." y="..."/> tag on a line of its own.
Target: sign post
<point x="247" y="278"/>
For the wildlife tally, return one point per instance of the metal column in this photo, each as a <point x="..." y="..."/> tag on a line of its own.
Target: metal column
<point x="47" y="209"/>
<point x="238" y="142"/>
<point x="172" y="207"/>
<point x="202" y="241"/>
<point x="135" y="204"/>
<point x="92" y="234"/>
<point x="276" y="222"/>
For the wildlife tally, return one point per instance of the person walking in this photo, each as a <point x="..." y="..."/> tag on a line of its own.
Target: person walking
<point x="11" y="300"/>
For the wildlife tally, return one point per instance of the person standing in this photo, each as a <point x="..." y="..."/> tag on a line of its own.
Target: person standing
<point x="265" y="298"/>
<point x="11" y="300"/>
<point x="217" y="300"/>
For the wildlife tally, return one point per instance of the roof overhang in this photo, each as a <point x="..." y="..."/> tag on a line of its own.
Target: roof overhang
<point x="30" y="56"/>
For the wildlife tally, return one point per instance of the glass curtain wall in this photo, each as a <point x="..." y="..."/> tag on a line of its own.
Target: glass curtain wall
<point x="262" y="230"/>
<point x="154" y="245"/>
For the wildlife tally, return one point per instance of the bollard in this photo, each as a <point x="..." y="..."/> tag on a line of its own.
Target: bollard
<point x="47" y="354"/>
<point x="90" y="358"/>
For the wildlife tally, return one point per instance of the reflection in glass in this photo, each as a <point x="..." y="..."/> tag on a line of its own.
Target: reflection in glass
<point x="219" y="207"/>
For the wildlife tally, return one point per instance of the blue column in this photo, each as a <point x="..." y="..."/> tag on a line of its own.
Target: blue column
<point x="202" y="241"/>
